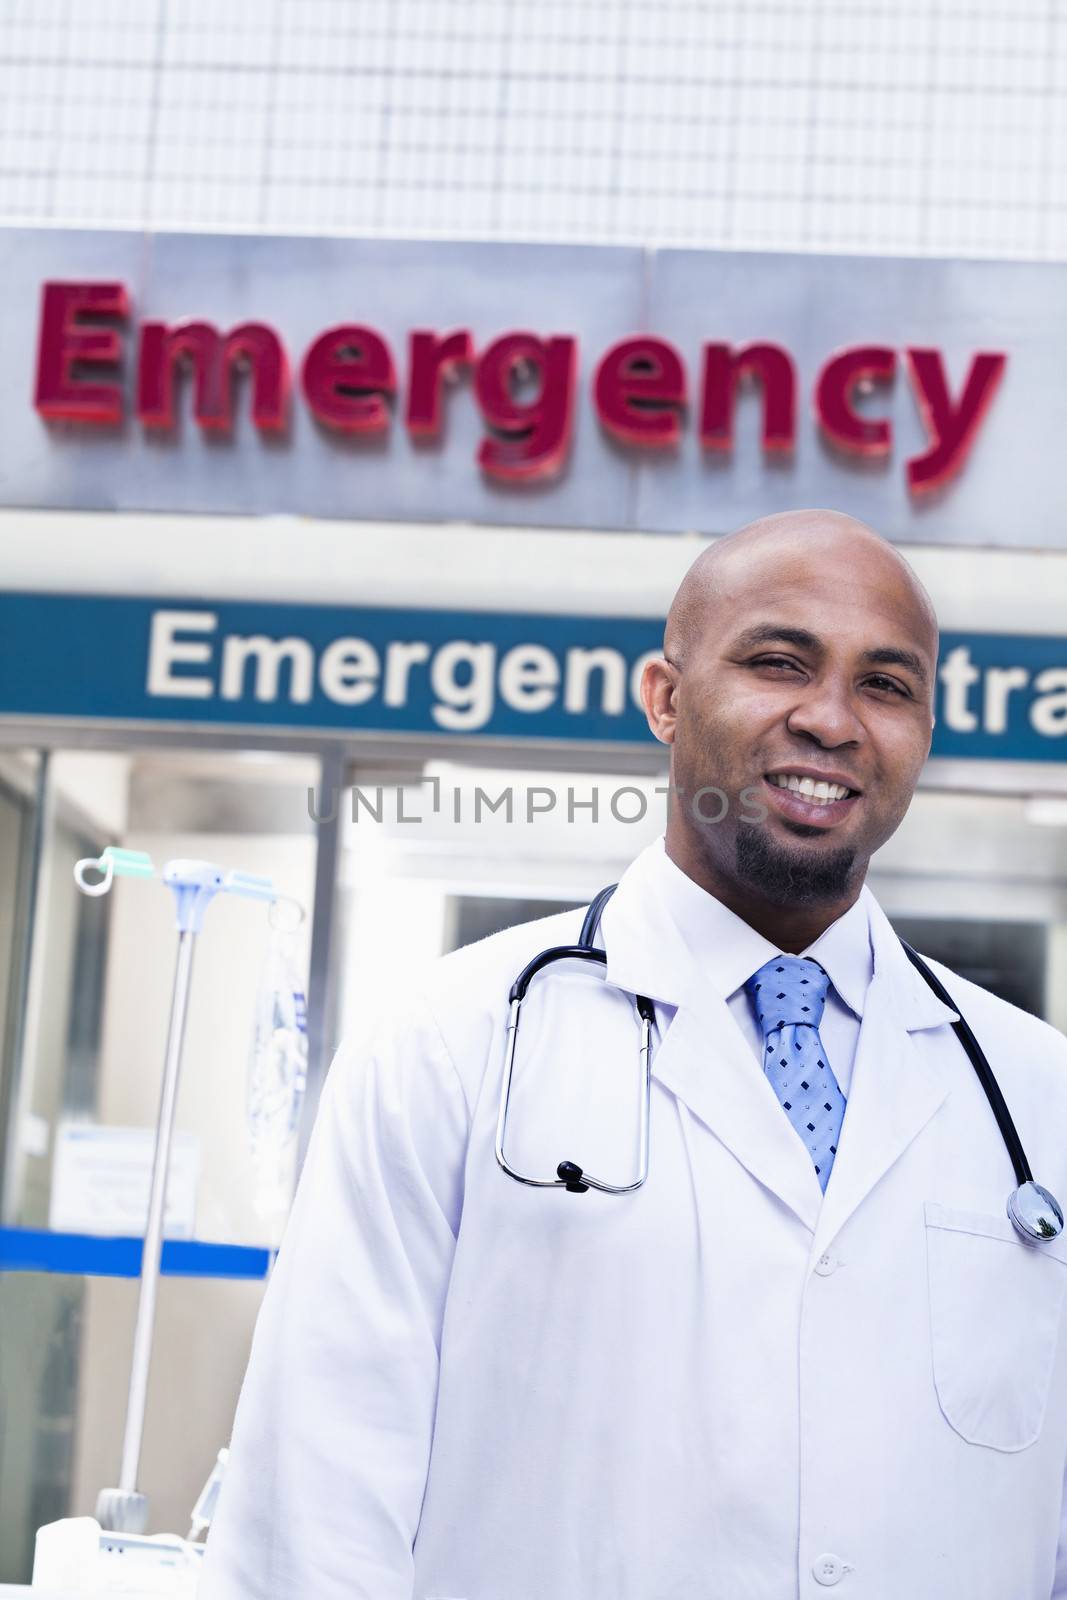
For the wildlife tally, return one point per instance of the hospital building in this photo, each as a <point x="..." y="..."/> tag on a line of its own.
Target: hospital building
<point x="371" y="373"/>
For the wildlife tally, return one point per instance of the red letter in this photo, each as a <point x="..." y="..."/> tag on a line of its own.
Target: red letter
<point x="638" y="391"/>
<point x="434" y="362"/>
<point x="724" y="369"/>
<point x="62" y="343"/>
<point x="837" y="382"/>
<point x="213" y="359"/>
<point x="952" y="429"/>
<point x="346" y="373"/>
<point x="537" y="433"/>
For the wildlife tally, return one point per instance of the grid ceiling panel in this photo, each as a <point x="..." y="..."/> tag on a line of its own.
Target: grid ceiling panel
<point x="856" y="125"/>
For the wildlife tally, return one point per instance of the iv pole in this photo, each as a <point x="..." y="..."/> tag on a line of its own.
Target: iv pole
<point x="194" y="883"/>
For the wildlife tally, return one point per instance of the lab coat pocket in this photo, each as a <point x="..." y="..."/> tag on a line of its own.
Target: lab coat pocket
<point x="995" y="1305"/>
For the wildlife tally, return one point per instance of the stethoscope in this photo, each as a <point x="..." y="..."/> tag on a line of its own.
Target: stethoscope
<point x="1035" y="1213"/>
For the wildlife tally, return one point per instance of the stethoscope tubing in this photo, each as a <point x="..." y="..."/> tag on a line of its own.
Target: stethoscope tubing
<point x="980" y="1062"/>
<point x="1034" y="1212"/>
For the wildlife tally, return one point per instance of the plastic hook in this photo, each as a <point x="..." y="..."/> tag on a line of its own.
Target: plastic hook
<point x="295" y="909"/>
<point x="102" y="864"/>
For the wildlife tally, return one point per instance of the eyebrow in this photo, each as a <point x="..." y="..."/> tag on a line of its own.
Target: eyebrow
<point x="803" y="639"/>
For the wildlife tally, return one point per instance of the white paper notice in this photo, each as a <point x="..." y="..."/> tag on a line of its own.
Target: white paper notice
<point x="101" y="1177"/>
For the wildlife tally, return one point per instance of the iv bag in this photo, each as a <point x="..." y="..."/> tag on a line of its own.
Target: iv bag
<point x="277" y="1075"/>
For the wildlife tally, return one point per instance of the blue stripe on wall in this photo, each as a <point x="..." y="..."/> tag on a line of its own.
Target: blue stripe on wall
<point x="85" y="1255"/>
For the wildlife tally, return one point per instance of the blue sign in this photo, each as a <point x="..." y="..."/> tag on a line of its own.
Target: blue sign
<point x="463" y="674"/>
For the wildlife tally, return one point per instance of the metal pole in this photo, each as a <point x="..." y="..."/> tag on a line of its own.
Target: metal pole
<point x="322" y="987"/>
<point x="27" y="996"/>
<point x="125" y="1509"/>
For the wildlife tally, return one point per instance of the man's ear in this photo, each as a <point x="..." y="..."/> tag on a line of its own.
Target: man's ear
<point x="659" y="683"/>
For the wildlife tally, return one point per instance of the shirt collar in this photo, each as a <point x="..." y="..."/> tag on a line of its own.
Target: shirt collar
<point x="728" y="951"/>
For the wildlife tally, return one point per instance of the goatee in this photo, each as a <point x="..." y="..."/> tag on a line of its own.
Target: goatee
<point x="792" y="877"/>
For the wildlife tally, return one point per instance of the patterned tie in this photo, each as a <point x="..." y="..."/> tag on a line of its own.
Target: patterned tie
<point x="789" y="994"/>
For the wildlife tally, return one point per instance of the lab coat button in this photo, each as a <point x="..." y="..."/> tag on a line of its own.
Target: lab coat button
<point x="827" y="1263"/>
<point x="828" y="1570"/>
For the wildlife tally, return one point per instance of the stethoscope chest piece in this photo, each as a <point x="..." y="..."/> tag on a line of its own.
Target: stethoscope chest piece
<point x="1035" y="1213"/>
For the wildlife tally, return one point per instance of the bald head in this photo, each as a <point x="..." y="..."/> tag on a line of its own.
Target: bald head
<point x="801" y="543"/>
<point x="798" y="679"/>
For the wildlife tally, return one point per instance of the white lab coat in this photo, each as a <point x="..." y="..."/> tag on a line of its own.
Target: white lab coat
<point x="721" y="1387"/>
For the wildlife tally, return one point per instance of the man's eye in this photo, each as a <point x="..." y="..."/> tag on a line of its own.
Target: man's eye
<point x="774" y="661"/>
<point x="880" y="682"/>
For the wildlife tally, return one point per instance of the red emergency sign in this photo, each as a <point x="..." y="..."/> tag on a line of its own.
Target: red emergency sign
<point x="640" y="387"/>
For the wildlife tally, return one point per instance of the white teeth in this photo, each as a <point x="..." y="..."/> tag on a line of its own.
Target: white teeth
<point x="816" y="791"/>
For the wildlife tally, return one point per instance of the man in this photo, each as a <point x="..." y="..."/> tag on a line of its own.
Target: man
<point x="810" y="1350"/>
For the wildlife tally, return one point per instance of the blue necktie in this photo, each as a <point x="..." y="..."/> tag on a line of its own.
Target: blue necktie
<point x="789" y="994"/>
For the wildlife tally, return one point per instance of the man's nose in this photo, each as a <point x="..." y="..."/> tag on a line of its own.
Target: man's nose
<point x="826" y="712"/>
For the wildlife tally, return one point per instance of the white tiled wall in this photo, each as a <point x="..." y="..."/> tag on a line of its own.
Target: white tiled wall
<point x="923" y="126"/>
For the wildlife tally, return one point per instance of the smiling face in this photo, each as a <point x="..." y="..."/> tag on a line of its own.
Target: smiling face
<point x="798" y="678"/>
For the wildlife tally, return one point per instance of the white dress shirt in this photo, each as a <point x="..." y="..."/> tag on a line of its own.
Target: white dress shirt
<point x="729" y="951"/>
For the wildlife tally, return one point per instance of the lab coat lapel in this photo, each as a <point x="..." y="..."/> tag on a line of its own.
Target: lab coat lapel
<point x="895" y="1091"/>
<point x="645" y="950"/>
<point x="704" y="1059"/>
